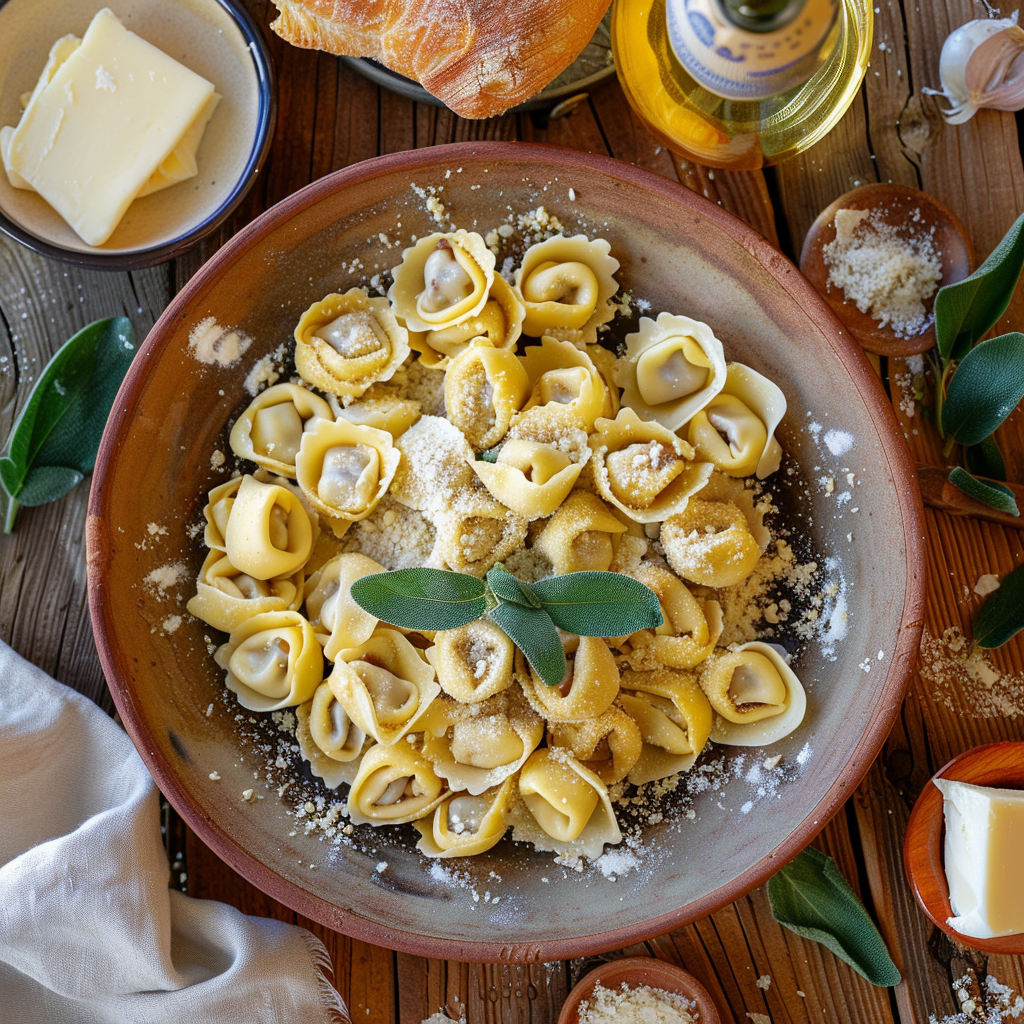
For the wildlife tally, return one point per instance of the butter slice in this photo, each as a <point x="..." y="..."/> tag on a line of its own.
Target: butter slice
<point x="984" y="842"/>
<point x="103" y="126"/>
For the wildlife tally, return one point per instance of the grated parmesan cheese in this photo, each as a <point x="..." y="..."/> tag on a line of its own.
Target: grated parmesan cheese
<point x="640" y="1005"/>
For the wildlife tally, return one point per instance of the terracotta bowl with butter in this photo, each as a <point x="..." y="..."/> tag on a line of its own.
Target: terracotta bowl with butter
<point x="218" y="40"/>
<point x="996" y="765"/>
<point x="677" y="252"/>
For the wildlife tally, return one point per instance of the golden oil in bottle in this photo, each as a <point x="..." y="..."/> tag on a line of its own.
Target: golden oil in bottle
<point x="741" y="83"/>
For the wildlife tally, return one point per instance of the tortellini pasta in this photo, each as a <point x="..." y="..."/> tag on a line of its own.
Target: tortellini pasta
<point x="477" y="532"/>
<point x="588" y="689"/>
<point x="710" y="543"/>
<point x="272" y="661"/>
<point x="330" y="605"/>
<point x="529" y="477"/>
<point x="609" y="745"/>
<point x="757" y="696"/>
<point x="442" y="281"/>
<point x="472" y="662"/>
<point x="566" y="285"/>
<point x="394" y="784"/>
<point x="465" y="825"/>
<point x="328" y="739"/>
<point x="270" y="430"/>
<point x="217" y="511"/>
<point x="564" y="380"/>
<point x="345" y="343"/>
<point x="736" y="429"/>
<point x="483" y="388"/>
<point x="385" y="685"/>
<point x="582" y="534"/>
<point x="344" y="469"/>
<point x="392" y="415"/>
<point x="644" y="469"/>
<point x="672" y="368"/>
<point x="568" y="805"/>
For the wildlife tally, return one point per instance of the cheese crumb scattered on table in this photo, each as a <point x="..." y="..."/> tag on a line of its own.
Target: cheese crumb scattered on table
<point x="986" y="584"/>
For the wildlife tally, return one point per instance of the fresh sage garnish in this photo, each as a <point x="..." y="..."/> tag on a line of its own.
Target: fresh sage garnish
<point x="586" y="603"/>
<point x="1002" y="615"/>
<point x="967" y="310"/>
<point x="811" y="897"/>
<point x="994" y="494"/>
<point x="987" y="385"/>
<point x="985" y="459"/>
<point x="54" y="441"/>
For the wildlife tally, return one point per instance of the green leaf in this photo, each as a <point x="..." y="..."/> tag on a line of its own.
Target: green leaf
<point x="985" y="389"/>
<point x="58" y="432"/>
<point x="421" y="598"/>
<point x="966" y="310"/>
<point x="988" y="491"/>
<point x="533" y="632"/>
<point x="1002" y="615"/>
<point x="985" y="459"/>
<point x="506" y="587"/>
<point x="599" y="603"/>
<point x="810" y="896"/>
<point x="491" y="455"/>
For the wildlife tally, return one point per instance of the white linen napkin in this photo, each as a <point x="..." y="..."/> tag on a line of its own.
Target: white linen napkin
<point x="90" y="933"/>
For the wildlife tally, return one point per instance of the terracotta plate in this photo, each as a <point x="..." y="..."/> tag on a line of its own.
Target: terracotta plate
<point x="996" y="764"/>
<point x="678" y="253"/>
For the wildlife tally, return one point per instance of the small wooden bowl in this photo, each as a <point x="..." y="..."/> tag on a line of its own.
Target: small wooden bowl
<point x="896" y="203"/>
<point x="642" y="970"/>
<point x="996" y="764"/>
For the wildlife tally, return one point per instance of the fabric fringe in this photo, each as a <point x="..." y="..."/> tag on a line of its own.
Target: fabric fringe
<point x="337" y="1011"/>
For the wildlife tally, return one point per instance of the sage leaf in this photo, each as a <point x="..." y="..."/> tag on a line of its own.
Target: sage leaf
<point x="1002" y="615"/>
<point x="985" y="459"/>
<point x="533" y="632"/>
<point x="599" y="603"/>
<point x="985" y="389"/>
<point x="507" y="587"/>
<point x="991" y="493"/>
<point x="54" y="441"/>
<point x="421" y="598"/>
<point x="966" y="310"/>
<point x="810" y="896"/>
<point x="491" y="455"/>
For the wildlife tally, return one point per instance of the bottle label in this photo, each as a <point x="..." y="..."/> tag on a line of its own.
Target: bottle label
<point x="740" y="64"/>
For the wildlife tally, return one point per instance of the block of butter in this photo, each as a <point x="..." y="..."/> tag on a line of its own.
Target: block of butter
<point x="111" y="118"/>
<point x="984" y="842"/>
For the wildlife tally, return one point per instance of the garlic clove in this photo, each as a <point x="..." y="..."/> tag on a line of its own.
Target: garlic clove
<point x="981" y="66"/>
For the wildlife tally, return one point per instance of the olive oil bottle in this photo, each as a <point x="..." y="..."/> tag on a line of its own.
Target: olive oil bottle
<point x="741" y="83"/>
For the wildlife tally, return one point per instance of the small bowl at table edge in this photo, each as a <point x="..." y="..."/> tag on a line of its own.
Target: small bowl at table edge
<point x="641" y="970"/>
<point x="993" y="764"/>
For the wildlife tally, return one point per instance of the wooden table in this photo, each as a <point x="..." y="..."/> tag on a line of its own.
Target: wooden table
<point x="328" y="118"/>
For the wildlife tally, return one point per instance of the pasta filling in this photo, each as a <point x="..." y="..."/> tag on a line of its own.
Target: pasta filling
<point x="467" y="813"/>
<point x="277" y="431"/>
<point x="394" y="699"/>
<point x="446" y="282"/>
<point x="673" y="369"/>
<point x="355" y="335"/>
<point x="262" y="663"/>
<point x="243" y="586"/>
<point x="349" y="477"/>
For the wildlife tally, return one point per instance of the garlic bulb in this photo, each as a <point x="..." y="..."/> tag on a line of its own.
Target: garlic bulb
<point x="982" y="65"/>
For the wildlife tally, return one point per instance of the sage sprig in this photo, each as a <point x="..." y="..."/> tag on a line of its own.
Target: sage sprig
<point x="811" y="897"/>
<point x="991" y="492"/>
<point x="1002" y="615"/>
<point x="54" y="441"/>
<point x="586" y="603"/>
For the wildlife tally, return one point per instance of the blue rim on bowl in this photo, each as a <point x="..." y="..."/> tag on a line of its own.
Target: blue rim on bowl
<point x="262" y="136"/>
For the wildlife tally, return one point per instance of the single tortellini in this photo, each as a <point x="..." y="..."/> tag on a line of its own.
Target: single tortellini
<point x="476" y="532"/>
<point x="672" y="368"/>
<point x="564" y="380"/>
<point x="566" y="285"/>
<point x="345" y="469"/>
<point x="465" y="825"/>
<point x="483" y="388"/>
<point x="394" y="784"/>
<point x="345" y="343"/>
<point x="269" y="531"/>
<point x="736" y="429"/>
<point x="217" y="511"/>
<point x="442" y="281"/>
<point x="330" y="606"/>
<point x="272" y="661"/>
<point x="689" y="629"/>
<point x="478" y="748"/>
<point x="588" y="688"/>
<point x="385" y="685"/>
<point x="382" y="412"/>
<point x="226" y="597"/>
<point x="710" y="543"/>
<point x="529" y="477"/>
<point x="569" y="808"/>
<point x="757" y="696"/>
<point x="608" y="745"/>
<point x="674" y="718"/>
<point x="328" y="739"/>
<point x="270" y="430"/>
<point x="434" y="469"/>
<point x="582" y="534"/>
<point x="472" y="662"/>
<point x="643" y="468"/>
<point x="500" y="322"/>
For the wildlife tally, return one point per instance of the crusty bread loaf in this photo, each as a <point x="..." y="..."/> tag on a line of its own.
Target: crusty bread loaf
<point x="480" y="57"/>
